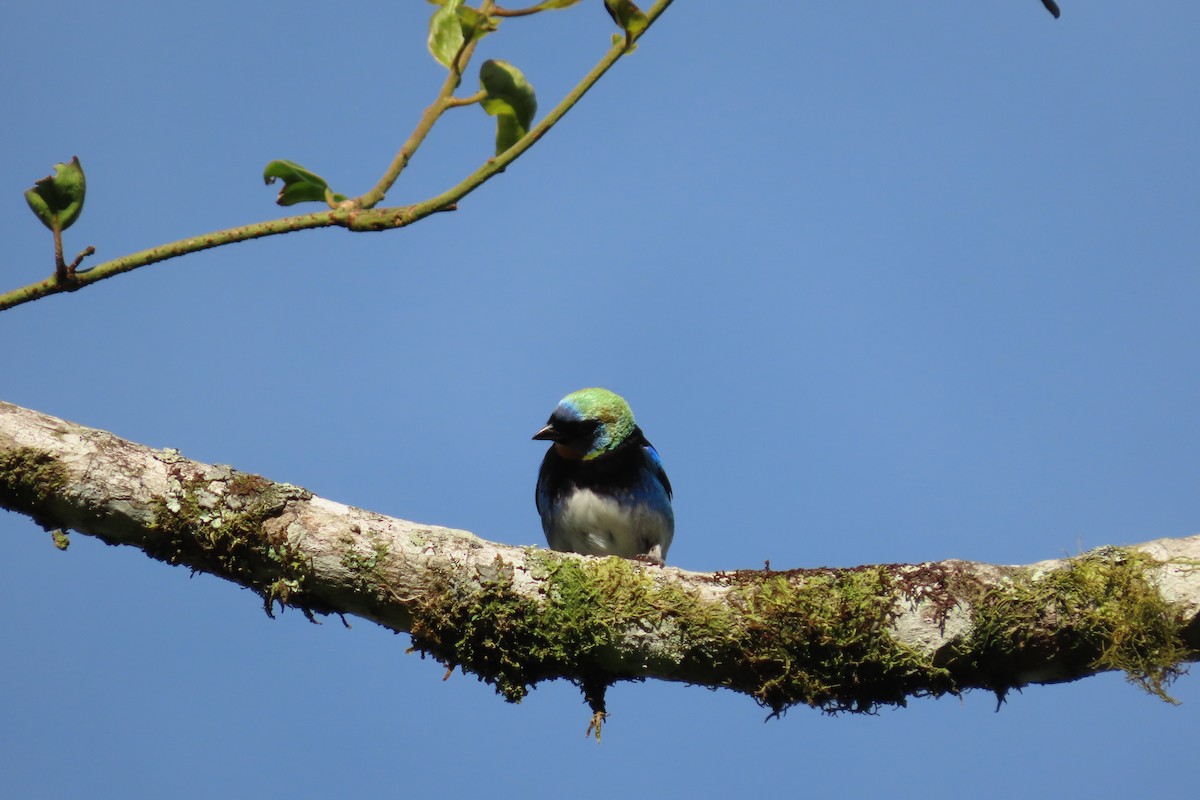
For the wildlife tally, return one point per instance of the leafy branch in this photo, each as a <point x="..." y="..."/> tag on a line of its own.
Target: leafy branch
<point x="455" y="31"/>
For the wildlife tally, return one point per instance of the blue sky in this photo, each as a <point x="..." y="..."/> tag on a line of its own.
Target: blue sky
<point x="883" y="282"/>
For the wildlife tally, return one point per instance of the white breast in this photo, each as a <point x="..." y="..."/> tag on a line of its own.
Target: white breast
<point x="599" y="526"/>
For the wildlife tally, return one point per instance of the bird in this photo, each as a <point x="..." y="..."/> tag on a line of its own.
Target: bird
<point x="601" y="489"/>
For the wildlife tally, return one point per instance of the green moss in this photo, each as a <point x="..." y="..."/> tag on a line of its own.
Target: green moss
<point x="30" y="479"/>
<point x="363" y="564"/>
<point x="575" y="629"/>
<point x="217" y="525"/>
<point x="245" y="484"/>
<point x="497" y="633"/>
<point x="1099" y="612"/>
<point x="825" y="641"/>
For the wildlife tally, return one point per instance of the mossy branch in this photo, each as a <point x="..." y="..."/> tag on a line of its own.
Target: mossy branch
<point x="835" y="639"/>
<point x="358" y="214"/>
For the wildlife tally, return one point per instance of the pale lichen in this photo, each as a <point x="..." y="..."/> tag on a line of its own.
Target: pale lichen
<point x="214" y="521"/>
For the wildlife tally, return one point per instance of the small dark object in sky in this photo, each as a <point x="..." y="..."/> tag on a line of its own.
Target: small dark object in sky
<point x="1052" y="7"/>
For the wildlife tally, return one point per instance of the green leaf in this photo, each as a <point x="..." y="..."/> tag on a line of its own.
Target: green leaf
<point x="446" y="33"/>
<point x="299" y="185"/>
<point x="550" y="4"/>
<point x="510" y="99"/>
<point x="627" y="15"/>
<point x="474" y="24"/>
<point x="623" y="38"/>
<point x="58" y="199"/>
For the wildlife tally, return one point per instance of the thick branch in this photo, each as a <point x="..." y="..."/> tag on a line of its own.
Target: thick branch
<point x="838" y="639"/>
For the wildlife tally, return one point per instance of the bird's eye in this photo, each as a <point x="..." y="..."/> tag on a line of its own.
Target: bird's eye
<point x="576" y="430"/>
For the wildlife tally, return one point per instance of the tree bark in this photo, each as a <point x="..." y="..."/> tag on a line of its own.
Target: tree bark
<point x="837" y="639"/>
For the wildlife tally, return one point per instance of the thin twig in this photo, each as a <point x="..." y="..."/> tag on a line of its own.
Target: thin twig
<point x="445" y="99"/>
<point x="74" y="265"/>
<point x="360" y="216"/>
<point x="458" y="102"/>
<point x="60" y="266"/>
<point x="516" y="12"/>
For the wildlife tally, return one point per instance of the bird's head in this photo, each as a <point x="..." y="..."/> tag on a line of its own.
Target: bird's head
<point x="588" y="423"/>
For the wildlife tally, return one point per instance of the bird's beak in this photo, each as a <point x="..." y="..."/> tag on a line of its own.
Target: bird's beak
<point x="547" y="433"/>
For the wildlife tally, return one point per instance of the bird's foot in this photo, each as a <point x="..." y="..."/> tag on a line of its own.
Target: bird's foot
<point x="655" y="556"/>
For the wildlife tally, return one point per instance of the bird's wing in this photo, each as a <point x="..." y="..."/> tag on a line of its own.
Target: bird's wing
<point x="655" y="465"/>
